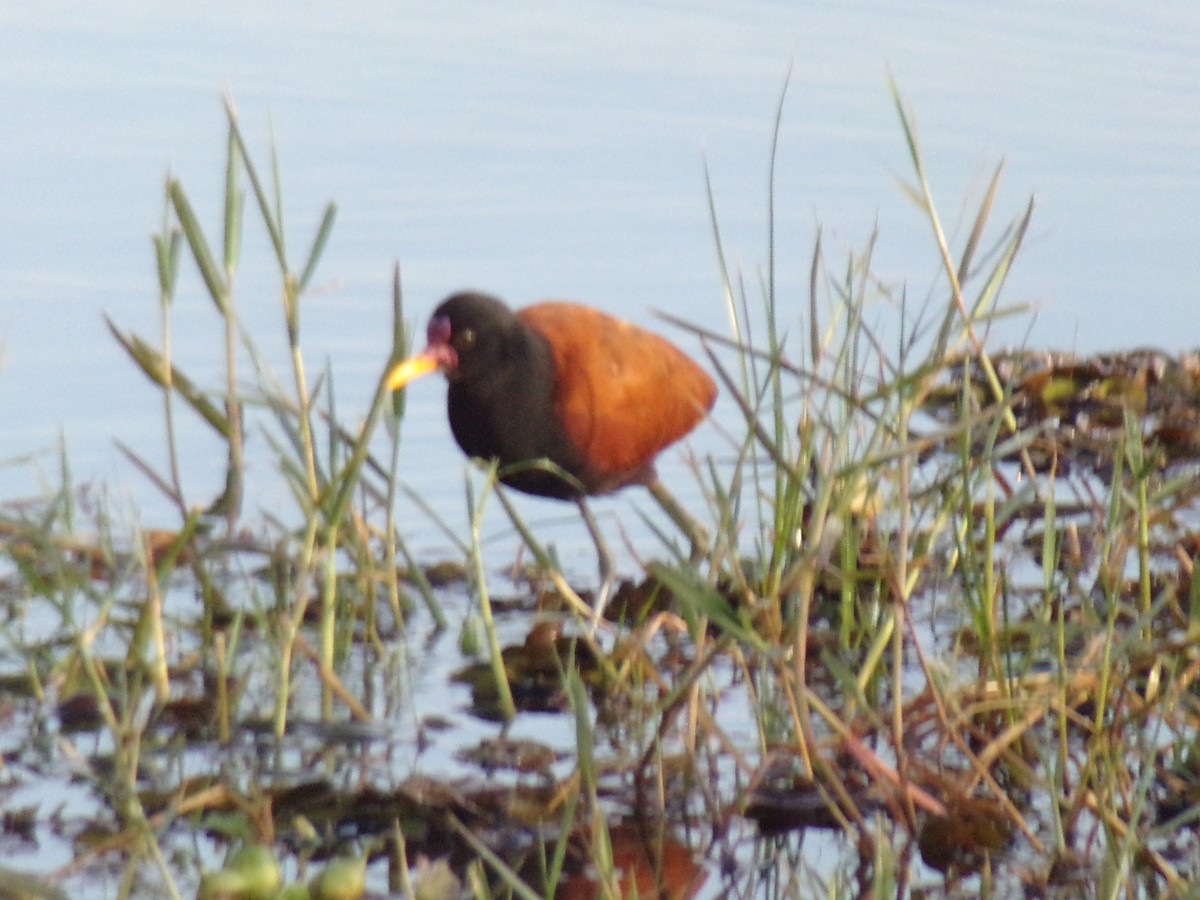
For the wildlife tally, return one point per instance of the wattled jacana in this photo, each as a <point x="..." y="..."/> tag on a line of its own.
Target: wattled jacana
<point x="595" y="397"/>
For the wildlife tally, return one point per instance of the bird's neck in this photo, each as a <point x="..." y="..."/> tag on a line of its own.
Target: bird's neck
<point x="506" y="413"/>
<point x="493" y="404"/>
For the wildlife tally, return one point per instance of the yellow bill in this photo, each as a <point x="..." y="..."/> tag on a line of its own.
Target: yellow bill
<point x="410" y="369"/>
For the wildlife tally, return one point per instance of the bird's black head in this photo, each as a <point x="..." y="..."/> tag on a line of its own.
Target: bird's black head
<point x="469" y="335"/>
<point x="473" y="333"/>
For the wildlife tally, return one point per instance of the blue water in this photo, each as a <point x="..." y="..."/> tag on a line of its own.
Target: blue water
<point x="548" y="150"/>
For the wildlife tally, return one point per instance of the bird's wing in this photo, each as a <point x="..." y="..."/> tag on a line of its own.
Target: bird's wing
<point x="623" y="394"/>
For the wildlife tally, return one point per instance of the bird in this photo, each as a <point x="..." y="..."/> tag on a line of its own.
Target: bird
<point x="570" y="402"/>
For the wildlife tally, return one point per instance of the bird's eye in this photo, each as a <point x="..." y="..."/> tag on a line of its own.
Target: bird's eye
<point x="466" y="337"/>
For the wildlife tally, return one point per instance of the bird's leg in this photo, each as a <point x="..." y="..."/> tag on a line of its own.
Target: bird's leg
<point x="677" y="514"/>
<point x="608" y="572"/>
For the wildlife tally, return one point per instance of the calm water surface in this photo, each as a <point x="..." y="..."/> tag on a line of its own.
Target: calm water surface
<point x="543" y="151"/>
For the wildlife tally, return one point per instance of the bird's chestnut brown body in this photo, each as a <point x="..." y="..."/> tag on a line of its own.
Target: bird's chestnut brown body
<point x="596" y="396"/>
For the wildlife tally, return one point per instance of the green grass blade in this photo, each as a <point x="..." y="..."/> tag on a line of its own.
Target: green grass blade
<point x="314" y="254"/>
<point x="151" y="362"/>
<point x="266" y="208"/>
<point x="235" y="201"/>
<point x="214" y="281"/>
<point x="167" y="247"/>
